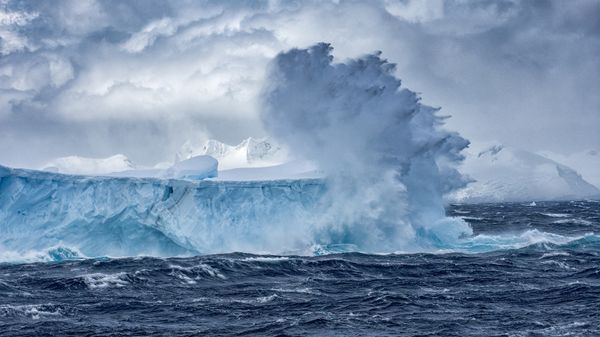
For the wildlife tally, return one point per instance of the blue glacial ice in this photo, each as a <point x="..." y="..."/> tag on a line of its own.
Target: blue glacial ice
<point x="114" y="216"/>
<point x="109" y="216"/>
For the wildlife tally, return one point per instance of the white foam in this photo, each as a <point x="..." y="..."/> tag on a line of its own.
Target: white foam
<point x="553" y="254"/>
<point x="266" y="258"/>
<point x="213" y="272"/>
<point x="471" y="218"/>
<point x="560" y="264"/>
<point x="574" y="221"/>
<point x="33" y="311"/>
<point x="556" y="215"/>
<point x="303" y="290"/>
<point x="101" y="280"/>
<point x="51" y="254"/>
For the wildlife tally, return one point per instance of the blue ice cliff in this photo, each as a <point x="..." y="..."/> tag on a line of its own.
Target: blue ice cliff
<point x="108" y="216"/>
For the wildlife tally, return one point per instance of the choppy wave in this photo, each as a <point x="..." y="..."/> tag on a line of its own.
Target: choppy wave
<point x="31" y="311"/>
<point x="51" y="254"/>
<point x="452" y="294"/>
<point x="482" y="243"/>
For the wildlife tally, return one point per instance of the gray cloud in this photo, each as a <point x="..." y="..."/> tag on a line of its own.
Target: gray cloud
<point x="96" y="78"/>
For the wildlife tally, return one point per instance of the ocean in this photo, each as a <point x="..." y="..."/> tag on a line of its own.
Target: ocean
<point x="547" y="286"/>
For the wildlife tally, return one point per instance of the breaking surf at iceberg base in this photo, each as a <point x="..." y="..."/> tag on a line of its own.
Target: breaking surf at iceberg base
<point x="368" y="248"/>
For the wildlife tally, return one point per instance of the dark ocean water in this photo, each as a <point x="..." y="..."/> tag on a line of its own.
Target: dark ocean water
<point x="542" y="289"/>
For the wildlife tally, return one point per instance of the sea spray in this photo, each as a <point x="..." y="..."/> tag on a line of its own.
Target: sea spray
<point x="387" y="158"/>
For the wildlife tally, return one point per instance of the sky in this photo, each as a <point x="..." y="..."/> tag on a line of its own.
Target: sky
<point x="96" y="78"/>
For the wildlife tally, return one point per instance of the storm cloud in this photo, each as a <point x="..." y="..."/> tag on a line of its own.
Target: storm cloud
<point x="95" y="78"/>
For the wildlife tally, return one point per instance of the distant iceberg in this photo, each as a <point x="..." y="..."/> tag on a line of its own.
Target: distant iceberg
<point x="503" y="173"/>
<point x="89" y="166"/>
<point x="585" y="162"/>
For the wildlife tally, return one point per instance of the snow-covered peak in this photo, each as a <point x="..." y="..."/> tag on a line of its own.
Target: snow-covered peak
<point x="251" y="152"/>
<point x="258" y="150"/>
<point x="215" y="148"/>
<point x="503" y="173"/>
<point x="89" y="166"/>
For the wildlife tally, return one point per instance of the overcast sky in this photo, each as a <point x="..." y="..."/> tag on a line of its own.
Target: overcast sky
<point x="95" y="78"/>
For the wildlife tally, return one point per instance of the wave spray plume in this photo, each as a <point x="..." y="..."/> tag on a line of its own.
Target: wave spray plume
<point x="387" y="158"/>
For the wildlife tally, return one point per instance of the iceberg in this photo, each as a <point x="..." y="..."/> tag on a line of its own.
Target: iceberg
<point x="89" y="166"/>
<point x="114" y="216"/>
<point x="502" y="173"/>
<point x="585" y="162"/>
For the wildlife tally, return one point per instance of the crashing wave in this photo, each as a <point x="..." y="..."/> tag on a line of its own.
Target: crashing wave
<point x="387" y="159"/>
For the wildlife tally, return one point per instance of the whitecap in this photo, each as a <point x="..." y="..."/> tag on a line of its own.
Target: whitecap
<point x="304" y="290"/>
<point x="556" y="215"/>
<point x="552" y="254"/>
<point x="33" y="311"/>
<point x="100" y="280"/>
<point x="574" y="221"/>
<point x="266" y="258"/>
<point x="213" y="272"/>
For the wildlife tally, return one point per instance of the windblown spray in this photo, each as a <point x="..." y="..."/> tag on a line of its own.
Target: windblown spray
<point x="387" y="158"/>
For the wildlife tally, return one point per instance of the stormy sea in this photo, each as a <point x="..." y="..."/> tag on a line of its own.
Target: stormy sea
<point x="534" y="270"/>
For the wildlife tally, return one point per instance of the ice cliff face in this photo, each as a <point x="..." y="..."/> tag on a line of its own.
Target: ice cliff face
<point x="507" y="174"/>
<point x="106" y="216"/>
